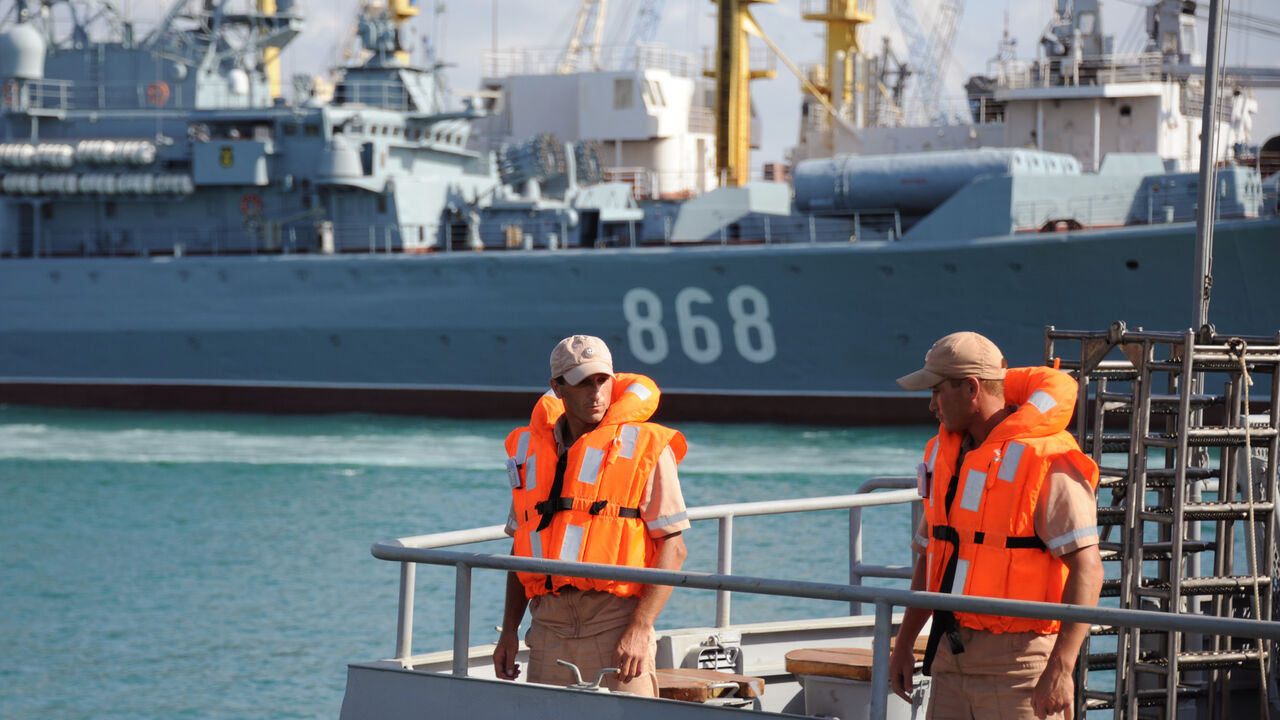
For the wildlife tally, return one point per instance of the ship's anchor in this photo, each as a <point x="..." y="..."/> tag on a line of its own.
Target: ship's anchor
<point x="588" y="687"/>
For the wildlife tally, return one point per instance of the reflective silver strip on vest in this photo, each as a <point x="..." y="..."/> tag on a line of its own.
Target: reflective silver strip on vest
<point x="962" y="571"/>
<point x="522" y="448"/>
<point x="629" y="435"/>
<point x="535" y="543"/>
<point x="974" y="483"/>
<point x="640" y="391"/>
<point x="1043" y="401"/>
<point x="590" y="465"/>
<point x="513" y="475"/>
<point x="572" y="544"/>
<point x="1009" y="463"/>
<point x="933" y="454"/>
<point x="531" y="473"/>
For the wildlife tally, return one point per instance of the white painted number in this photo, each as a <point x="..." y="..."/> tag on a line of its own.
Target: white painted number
<point x="700" y="337"/>
<point x="644" y="327"/>
<point x="708" y="351"/>
<point x="756" y="319"/>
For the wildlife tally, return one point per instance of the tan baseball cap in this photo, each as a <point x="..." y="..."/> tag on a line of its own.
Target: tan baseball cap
<point x="580" y="356"/>
<point x="958" y="355"/>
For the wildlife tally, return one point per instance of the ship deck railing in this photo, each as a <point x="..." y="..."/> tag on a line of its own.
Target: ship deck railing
<point x="1094" y="70"/>
<point x="435" y="549"/>
<point x="611" y="58"/>
<point x="52" y="96"/>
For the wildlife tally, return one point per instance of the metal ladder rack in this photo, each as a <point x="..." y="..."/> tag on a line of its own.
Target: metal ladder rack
<point x="1198" y="468"/>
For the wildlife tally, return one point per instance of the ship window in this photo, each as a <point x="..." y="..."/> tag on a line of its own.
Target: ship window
<point x="653" y="95"/>
<point x="313" y="130"/>
<point x="290" y="129"/>
<point x="623" y="90"/>
<point x="382" y="203"/>
<point x="399" y="131"/>
<point x="109" y="209"/>
<point x="46" y="211"/>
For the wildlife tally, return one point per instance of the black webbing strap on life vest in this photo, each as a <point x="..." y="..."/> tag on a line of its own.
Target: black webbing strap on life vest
<point x="944" y="621"/>
<point x="555" y="502"/>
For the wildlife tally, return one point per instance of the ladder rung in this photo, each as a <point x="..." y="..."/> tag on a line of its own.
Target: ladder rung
<point x="1101" y="661"/>
<point x="1206" y="511"/>
<point x="1207" y="585"/>
<point x="1206" y="660"/>
<point x="1192" y="473"/>
<point x="1110" y="515"/>
<point x="1155" y="550"/>
<point x="1211" y="436"/>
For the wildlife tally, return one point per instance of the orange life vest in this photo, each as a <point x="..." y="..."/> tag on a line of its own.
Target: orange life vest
<point x="991" y="523"/>
<point x="596" y="516"/>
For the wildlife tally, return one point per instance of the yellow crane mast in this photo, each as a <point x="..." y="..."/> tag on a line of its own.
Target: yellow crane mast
<point x="733" y="75"/>
<point x="842" y="18"/>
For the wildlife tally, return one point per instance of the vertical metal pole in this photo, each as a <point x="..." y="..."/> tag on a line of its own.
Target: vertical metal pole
<point x="724" y="566"/>
<point x="1208" y="155"/>
<point x="855" y="555"/>
<point x="404" y="628"/>
<point x="880" y="661"/>
<point x="461" y="620"/>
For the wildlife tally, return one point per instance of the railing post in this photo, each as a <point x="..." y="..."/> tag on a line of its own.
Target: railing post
<point x="461" y="620"/>
<point x="855" y="555"/>
<point x="880" y="661"/>
<point x="724" y="566"/>
<point x="404" y="629"/>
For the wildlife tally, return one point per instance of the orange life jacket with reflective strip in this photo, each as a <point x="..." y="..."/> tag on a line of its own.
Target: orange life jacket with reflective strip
<point x="596" y="516"/>
<point x="991" y="523"/>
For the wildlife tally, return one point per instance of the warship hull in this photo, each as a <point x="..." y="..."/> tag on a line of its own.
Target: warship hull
<point x="813" y="332"/>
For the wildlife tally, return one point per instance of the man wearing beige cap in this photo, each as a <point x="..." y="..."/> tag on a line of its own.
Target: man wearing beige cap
<point x="592" y="481"/>
<point x="1009" y="513"/>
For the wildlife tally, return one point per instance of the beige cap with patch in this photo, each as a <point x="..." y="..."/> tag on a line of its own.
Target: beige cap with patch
<point x="578" y="357"/>
<point x="958" y="355"/>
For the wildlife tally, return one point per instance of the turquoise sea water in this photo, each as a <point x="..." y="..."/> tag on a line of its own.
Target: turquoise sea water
<point x="171" y="565"/>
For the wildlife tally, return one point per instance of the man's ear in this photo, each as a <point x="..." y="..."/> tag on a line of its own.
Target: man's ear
<point x="555" y="388"/>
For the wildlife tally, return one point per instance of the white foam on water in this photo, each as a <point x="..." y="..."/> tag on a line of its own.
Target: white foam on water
<point x="428" y="444"/>
<point x="192" y="446"/>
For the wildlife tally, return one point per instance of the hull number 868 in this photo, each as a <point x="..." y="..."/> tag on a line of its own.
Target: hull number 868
<point x="698" y="332"/>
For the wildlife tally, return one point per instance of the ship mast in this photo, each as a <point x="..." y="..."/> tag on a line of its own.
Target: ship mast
<point x="1208" y="170"/>
<point x="733" y="75"/>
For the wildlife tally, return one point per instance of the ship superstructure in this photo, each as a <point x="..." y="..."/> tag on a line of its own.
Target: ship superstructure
<point x="179" y="237"/>
<point x="1080" y="96"/>
<point x="115" y="146"/>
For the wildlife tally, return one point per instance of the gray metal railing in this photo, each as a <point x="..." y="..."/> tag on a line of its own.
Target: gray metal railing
<point x="430" y="549"/>
<point x="864" y="497"/>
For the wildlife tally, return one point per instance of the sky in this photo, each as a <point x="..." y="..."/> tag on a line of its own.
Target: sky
<point x="465" y="31"/>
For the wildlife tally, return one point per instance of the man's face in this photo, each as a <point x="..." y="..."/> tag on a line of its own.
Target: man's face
<point x="589" y="400"/>
<point x="954" y="403"/>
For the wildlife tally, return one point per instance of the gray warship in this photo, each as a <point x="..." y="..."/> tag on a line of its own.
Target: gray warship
<point x="178" y="235"/>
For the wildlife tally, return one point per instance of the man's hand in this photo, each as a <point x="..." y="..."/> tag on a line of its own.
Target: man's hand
<point x="504" y="656"/>
<point x="902" y="670"/>
<point x="633" y="648"/>
<point x="1055" y="691"/>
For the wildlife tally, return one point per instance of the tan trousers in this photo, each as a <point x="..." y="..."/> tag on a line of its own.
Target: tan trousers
<point x="992" y="679"/>
<point x="583" y="627"/>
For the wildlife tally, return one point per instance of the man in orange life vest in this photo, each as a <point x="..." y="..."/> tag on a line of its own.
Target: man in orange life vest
<point x="592" y="481"/>
<point x="1010" y="512"/>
